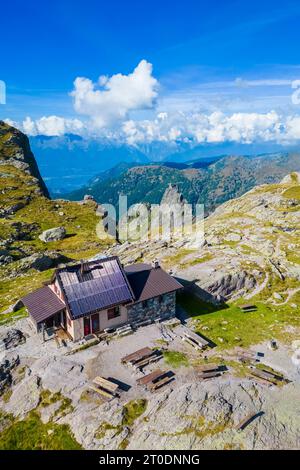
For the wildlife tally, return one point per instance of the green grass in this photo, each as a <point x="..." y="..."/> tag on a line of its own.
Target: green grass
<point x="133" y="410"/>
<point x="9" y="317"/>
<point x="177" y="258"/>
<point x="292" y="193"/>
<point x="104" y="427"/>
<point x="48" y="398"/>
<point x="175" y="359"/>
<point x="130" y="413"/>
<point x="196" y="261"/>
<point x="228" y="326"/>
<point x="37" y="215"/>
<point x="32" y="434"/>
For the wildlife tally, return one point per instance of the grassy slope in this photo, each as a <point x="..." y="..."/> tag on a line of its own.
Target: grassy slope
<point x="228" y="326"/>
<point x="32" y="434"/>
<point x="38" y="214"/>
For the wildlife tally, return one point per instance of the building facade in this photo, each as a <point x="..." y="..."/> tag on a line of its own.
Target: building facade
<point x="89" y="298"/>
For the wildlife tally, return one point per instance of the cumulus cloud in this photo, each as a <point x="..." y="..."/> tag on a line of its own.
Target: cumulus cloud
<point x="194" y="128"/>
<point x="111" y="99"/>
<point x="210" y="128"/>
<point x="52" y="126"/>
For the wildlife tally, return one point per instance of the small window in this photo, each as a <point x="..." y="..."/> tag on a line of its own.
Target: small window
<point x="145" y="304"/>
<point x="160" y="299"/>
<point x="113" y="313"/>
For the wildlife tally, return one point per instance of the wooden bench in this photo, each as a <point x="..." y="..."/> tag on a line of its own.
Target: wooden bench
<point x="248" y="308"/>
<point x="262" y="376"/>
<point x="208" y="367"/>
<point x="210" y="375"/>
<point x="272" y="375"/>
<point x="150" y="377"/>
<point x="148" y="360"/>
<point x="106" y="384"/>
<point x="102" y="392"/>
<point x="160" y="382"/>
<point x="104" y="387"/>
<point x="192" y="343"/>
<point x="191" y="337"/>
<point x="156" y="379"/>
<point x="137" y="355"/>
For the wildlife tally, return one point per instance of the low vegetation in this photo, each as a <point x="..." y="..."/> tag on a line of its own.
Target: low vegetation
<point x="292" y="193"/>
<point x="133" y="410"/>
<point x="32" y="434"/>
<point x="175" y="359"/>
<point x="228" y="326"/>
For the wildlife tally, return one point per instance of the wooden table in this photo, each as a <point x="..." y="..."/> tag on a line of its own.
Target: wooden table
<point x="137" y="355"/>
<point x="106" y="384"/>
<point x="150" y="377"/>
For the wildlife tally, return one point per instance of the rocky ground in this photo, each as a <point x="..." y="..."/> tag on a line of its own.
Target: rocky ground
<point x="188" y="414"/>
<point x="250" y="252"/>
<point x="251" y="245"/>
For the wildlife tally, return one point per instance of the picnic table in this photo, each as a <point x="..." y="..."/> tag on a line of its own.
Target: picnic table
<point x="210" y="375"/>
<point x="104" y="387"/>
<point x="260" y="374"/>
<point x="244" y="356"/>
<point x="248" y="308"/>
<point x="137" y="355"/>
<point x="156" y="379"/>
<point x="191" y="337"/>
<point x="208" y="367"/>
<point x="155" y="356"/>
<point x="150" y="377"/>
<point x="268" y="375"/>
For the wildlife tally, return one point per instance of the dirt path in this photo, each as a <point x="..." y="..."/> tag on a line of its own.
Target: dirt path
<point x="290" y="293"/>
<point x="258" y="288"/>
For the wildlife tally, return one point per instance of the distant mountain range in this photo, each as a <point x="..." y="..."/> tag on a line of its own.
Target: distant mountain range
<point x="69" y="162"/>
<point x="210" y="181"/>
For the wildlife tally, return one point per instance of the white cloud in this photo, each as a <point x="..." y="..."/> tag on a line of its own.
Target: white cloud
<point x="52" y="126"/>
<point x="196" y="128"/>
<point x="210" y="128"/>
<point x="112" y="98"/>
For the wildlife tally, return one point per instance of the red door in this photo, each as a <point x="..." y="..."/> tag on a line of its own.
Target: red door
<point x="86" y="326"/>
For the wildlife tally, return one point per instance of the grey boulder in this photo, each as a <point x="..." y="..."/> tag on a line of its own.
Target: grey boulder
<point x="53" y="234"/>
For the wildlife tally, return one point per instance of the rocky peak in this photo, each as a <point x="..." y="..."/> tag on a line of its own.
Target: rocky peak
<point x="172" y="195"/>
<point x="292" y="178"/>
<point x="15" y="150"/>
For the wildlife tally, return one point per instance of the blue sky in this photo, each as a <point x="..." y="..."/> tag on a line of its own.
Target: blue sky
<point x="199" y="59"/>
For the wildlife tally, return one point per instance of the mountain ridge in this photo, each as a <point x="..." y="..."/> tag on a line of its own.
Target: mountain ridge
<point x="220" y="180"/>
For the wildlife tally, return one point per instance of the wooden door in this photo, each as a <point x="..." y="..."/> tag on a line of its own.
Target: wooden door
<point x="86" y="326"/>
<point x="95" y="323"/>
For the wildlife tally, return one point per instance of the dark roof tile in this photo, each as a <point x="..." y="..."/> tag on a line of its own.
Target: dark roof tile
<point x="151" y="282"/>
<point x="42" y="304"/>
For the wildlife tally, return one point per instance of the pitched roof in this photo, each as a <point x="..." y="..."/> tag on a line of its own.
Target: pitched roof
<point x="42" y="304"/>
<point x="150" y="282"/>
<point x="92" y="286"/>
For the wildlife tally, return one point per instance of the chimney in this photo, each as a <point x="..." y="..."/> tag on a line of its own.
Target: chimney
<point x="155" y="264"/>
<point x="83" y="267"/>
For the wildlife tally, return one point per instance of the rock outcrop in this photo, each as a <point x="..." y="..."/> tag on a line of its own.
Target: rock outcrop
<point x="15" y="150"/>
<point x="53" y="234"/>
<point x="6" y="367"/>
<point x="173" y="196"/>
<point x="11" y="339"/>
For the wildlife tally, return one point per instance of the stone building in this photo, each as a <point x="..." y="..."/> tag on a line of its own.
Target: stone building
<point x="89" y="298"/>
